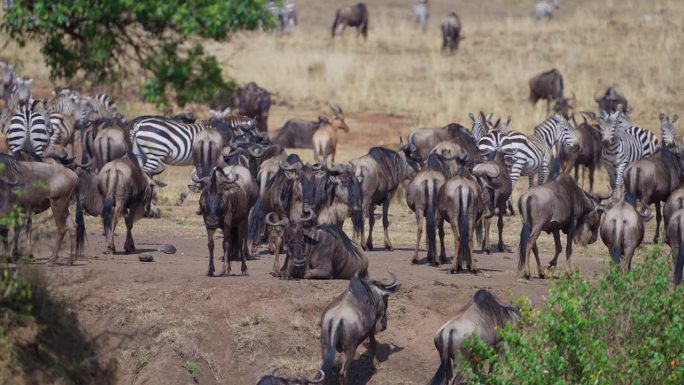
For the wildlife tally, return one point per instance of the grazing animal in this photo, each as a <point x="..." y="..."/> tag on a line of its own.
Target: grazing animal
<point x="421" y="13"/>
<point x="125" y="190"/>
<point x="325" y="138"/>
<point x="589" y="141"/>
<point x="29" y="129"/>
<point x="480" y="317"/>
<point x="497" y="181"/>
<point x="611" y="99"/>
<point x="623" y="143"/>
<point x="351" y="16"/>
<point x="547" y="86"/>
<point x="653" y="179"/>
<point x="559" y="205"/>
<point x="622" y="229"/>
<point x="254" y="102"/>
<point x="36" y="187"/>
<point x="451" y="33"/>
<point x="545" y="9"/>
<point x="8" y="76"/>
<point x="381" y="172"/>
<point x="297" y="133"/>
<point x="358" y="313"/>
<point x="675" y="236"/>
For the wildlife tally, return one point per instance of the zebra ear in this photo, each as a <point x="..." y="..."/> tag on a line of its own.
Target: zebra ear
<point x="662" y="117"/>
<point x="471" y="116"/>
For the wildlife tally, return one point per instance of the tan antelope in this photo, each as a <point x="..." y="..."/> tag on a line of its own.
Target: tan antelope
<point x="325" y="138"/>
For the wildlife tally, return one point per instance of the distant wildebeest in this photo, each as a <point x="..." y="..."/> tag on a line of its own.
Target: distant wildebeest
<point x="481" y="317"/>
<point x="286" y="16"/>
<point x="611" y="99"/>
<point x="358" y="313"/>
<point x="351" y="16"/>
<point x="255" y="102"/>
<point x="34" y="188"/>
<point x="227" y="196"/>
<point x="325" y="137"/>
<point x="421" y="13"/>
<point x="271" y="379"/>
<point x="497" y="181"/>
<point x="652" y="180"/>
<point x="125" y="190"/>
<point x="589" y="139"/>
<point x="451" y="33"/>
<point x="545" y="9"/>
<point x="556" y="206"/>
<point x="547" y="86"/>
<point x="381" y="172"/>
<point x="622" y="229"/>
<point x="675" y="237"/>
<point x="298" y="133"/>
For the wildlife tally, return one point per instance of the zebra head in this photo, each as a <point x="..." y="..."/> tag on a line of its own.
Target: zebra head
<point x="565" y="133"/>
<point x="481" y="123"/>
<point x="668" y="130"/>
<point x="608" y="123"/>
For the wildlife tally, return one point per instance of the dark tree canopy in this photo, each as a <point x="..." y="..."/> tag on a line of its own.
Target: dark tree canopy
<point x="108" y="40"/>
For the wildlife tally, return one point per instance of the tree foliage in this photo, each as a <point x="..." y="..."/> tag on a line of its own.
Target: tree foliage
<point x="619" y="329"/>
<point x="107" y="40"/>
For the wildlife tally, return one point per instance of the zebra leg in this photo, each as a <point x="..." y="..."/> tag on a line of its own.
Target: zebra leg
<point x="619" y="181"/>
<point x="531" y="179"/>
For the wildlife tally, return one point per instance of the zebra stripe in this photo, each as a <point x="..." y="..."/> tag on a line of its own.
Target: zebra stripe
<point x="28" y="130"/>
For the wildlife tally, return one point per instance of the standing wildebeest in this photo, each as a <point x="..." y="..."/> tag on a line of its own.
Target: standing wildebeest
<point x="548" y="86"/>
<point x="255" y="102"/>
<point x="297" y="133"/>
<point x="674" y="202"/>
<point x="357" y="314"/>
<point x="622" y="229"/>
<point x="325" y="138"/>
<point x="271" y="379"/>
<point x="497" y="181"/>
<point x="227" y="196"/>
<point x="451" y="33"/>
<point x="559" y="205"/>
<point x="125" y="190"/>
<point x="110" y="143"/>
<point x="652" y="180"/>
<point x="611" y="99"/>
<point x="352" y="16"/>
<point x="545" y="9"/>
<point x="588" y="138"/>
<point x="675" y="237"/>
<point x="8" y="77"/>
<point x="481" y="317"/>
<point x="381" y="172"/>
<point x="37" y="186"/>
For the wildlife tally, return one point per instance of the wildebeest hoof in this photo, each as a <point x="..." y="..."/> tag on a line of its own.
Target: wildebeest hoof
<point x="179" y="202"/>
<point x="109" y="250"/>
<point x="453" y="271"/>
<point x="473" y="271"/>
<point x="146" y="258"/>
<point x="487" y="251"/>
<point x="245" y="273"/>
<point x="210" y="273"/>
<point x="168" y="249"/>
<point x="415" y="261"/>
<point x="389" y="248"/>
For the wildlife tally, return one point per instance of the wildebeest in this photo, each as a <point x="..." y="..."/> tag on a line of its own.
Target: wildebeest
<point x="271" y="379"/>
<point x="36" y="187"/>
<point x="8" y="77"/>
<point x="125" y="190"/>
<point x="255" y="102"/>
<point x="611" y="99"/>
<point x="652" y="180"/>
<point x="358" y="313"/>
<point x="675" y="237"/>
<point x="425" y="139"/>
<point x="227" y="196"/>
<point x="381" y="172"/>
<point x="545" y="9"/>
<point x="325" y="137"/>
<point x="451" y="33"/>
<point x="481" y="317"/>
<point x="622" y="229"/>
<point x="286" y="15"/>
<point x="351" y="16"/>
<point x="674" y="202"/>
<point x="297" y="133"/>
<point x="588" y="137"/>
<point x="110" y="143"/>
<point x="497" y="181"/>
<point x="556" y="206"/>
<point x="548" y="86"/>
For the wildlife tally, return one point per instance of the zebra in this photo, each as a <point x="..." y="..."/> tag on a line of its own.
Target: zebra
<point x="29" y="129"/>
<point x="421" y="13"/>
<point x="286" y="15"/>
<point x="623" y="143"/>
<point x="62" y="120"/>
<point x="546" y="8"/>
<point x="481" y="124"/>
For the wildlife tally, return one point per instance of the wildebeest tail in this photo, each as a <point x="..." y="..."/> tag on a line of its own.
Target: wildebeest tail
<point x="255" y="226"/>
<point x="618" y="235"/>
<point x="430" y="199"/>
<point x="440" y="376"/>
<point x="526" y="231"/>
<point x="463" y="225"/>
<point x="80" y="224"/>
<point x="329" y="356"/>
<point x="108" y="204"/>
<point x="337" y="20"/>
<point x="679" y="264"/>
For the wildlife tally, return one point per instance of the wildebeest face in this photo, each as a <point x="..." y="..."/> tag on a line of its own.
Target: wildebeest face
<point x="293" y="235"/>
<point x="211" y="200"/>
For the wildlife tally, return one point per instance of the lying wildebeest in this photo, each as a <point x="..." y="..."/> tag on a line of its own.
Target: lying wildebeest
<point x="652" y="180"/>
<point x="481" y="317"/>
<point x="255" y="102"/>
<point x="35" y="187"/>
<point x="556" y="206"/>
<point x="351" y="16"/>
<point x="271" y="379"/>
<point x="611" y="99"/>
<point x="125" y="190"/>
<point x="321" y="252"/>
<point x="325" y="137"/>
<point x="358" y="313"/>
<point x="622" y="229"/>
<point x="671" y="141"/>
<point x="545" y="9"/>
<point x="451" y="33"/>
<point x="297" y="133"/>
<point x="548" y="86"/>
<point x="497" y="181"/>
<point x="381" y="172"/>
<point x="227" y="196"/>
<point x="589" y="139"/>
<point x="675" y="237"/>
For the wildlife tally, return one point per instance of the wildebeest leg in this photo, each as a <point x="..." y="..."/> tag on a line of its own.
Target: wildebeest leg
<point x="129" y="245"/>
<point x="500" y="225"/>
<point x="535" y="251"/>
<point x="323" y="269"/>
<point x="531" y="246"/>
<point x="111" y="249"/>
<point x="419" y="234"/>
<point x="372" y="350"/>
<point x="241" y="246"/>
<point x="456" y="263"/>
<point x="559" y="248"/>
<point x="210" y="246"/>
<point x="385" y="221"/>
<point x="371" y="223"/>
<point x="71" y="229"/>
<point x="60" y="222"/>
<point x="509" y="203"/>
<point x="659" y="217"/>
<point x="349" y="352"/>
<point x="442" y="252"/>
<point x="470" y="258"/>
<point x="568" y="253"/>
<point x="629" y="253"/>
<point x="485" y="242"/>
<point x="29" y="241"/>
<point x="183" y="195"/>
<point x="226" y="252"/>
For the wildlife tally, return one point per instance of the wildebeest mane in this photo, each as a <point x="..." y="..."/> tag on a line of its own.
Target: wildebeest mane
<point x="672" y="161"/>
<point x="435" y="163"/>
<point x="361" y="289"/>
<point x="336" y="232"/>
<point x="389" y="161"/>
<point x="493" y="309"/>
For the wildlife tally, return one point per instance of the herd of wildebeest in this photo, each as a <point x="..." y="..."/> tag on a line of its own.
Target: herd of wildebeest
<point x="76" y="149"/>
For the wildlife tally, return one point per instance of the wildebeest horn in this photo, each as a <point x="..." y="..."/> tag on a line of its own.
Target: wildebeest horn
<point x="489" y="170"/>
<point x="647" y="215"/>
<point x="286" y="166"/>
<point x="229" y="180"/>
<point x="309" y="216"/>
<point x="256" y="150"/>
<point x="270" y="222"/>
<point x="608" y="195"/>
<point x="317" y="166"/>
<point x="320" y="376"/>
<point x="388" y="286"/>
<point x="338" y="169"/>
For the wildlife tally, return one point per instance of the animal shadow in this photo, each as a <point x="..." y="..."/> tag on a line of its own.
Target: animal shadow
<point x="361" y="369"/>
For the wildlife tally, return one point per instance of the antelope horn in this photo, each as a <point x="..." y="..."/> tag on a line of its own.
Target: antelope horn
<point x="338" y="168"/>
<point x="270" y="222"/>
<point x="391" y="285"/>
<point x="339" y="109"/>
<point x="286" y="166"/>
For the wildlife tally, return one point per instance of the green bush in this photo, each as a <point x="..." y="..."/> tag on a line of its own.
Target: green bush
<point x="617" y="328"/>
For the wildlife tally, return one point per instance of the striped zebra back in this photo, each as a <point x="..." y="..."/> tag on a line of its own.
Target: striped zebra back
<point x="29" y="130"/>
<point x="159" y="140"/>
<point x="553" y="130"/>
<point x="626" y="142"/>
